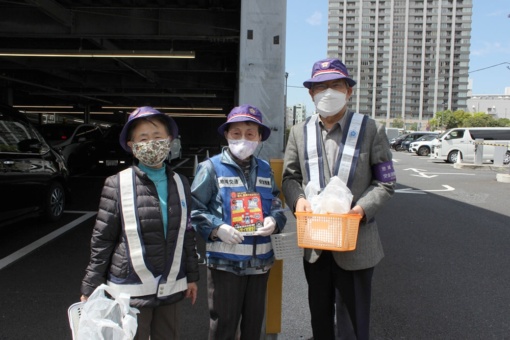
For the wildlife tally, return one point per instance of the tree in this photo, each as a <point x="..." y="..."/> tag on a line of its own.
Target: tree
<point x="445" y="119"/>
<point x="433" y="124"/>
<point x="479" y="119"/>
<point x="504" y="122"/>
<point x="460" y="116"/>
<point x="397" y="123"/>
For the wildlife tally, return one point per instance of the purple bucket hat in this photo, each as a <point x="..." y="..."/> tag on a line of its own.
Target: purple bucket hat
<point x="245" y="113"/>
<point x="328" y="69"/>
<point x="144" y="112"/>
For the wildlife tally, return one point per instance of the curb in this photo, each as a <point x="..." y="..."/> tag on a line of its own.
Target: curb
<point x="503" y="178"/>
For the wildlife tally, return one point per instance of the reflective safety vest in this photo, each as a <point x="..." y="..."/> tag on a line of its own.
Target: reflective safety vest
<point x="162" y="286"/>
<point x="229" y="181"/>
<point x="348" y="150"/>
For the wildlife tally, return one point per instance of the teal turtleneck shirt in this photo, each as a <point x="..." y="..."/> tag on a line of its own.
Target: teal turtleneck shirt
<point x="158" y="176"/>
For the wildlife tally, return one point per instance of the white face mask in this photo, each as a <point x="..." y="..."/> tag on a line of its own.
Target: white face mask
<point x="329" y="102"/>
<point x="242" y="148"/>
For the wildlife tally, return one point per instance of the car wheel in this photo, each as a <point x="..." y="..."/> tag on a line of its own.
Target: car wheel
<point x="54" y="202"/>
<point x="453" y="155"/>
<point x="423" y="151"/>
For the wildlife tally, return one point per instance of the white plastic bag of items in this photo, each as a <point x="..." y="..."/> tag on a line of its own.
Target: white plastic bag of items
<point x="335" y="198"/>
<point x="103" y="318"/>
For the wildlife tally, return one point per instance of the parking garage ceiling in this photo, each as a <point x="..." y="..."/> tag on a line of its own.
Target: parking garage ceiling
<point x="205" y="29"/>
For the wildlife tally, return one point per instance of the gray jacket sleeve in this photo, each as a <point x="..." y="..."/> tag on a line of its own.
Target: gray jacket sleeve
<point x="292" y="176"/>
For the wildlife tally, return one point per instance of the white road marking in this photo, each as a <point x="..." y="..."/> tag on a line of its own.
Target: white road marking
<point x="43" y="240"/>
<point x="446" y="188"/>
<point x="423" y="191"/>
<point x="426" y="174"/>
<point x="409" y="191"/>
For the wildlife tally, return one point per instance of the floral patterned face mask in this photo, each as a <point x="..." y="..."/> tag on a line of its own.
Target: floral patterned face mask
<point x="153" y="152"/>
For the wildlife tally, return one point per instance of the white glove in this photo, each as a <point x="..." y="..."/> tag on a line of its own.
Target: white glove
<point x="268" y="228"/>
<point x="229" y="234"/>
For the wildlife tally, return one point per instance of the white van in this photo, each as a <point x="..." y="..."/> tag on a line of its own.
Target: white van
<point x="448" y="145"/>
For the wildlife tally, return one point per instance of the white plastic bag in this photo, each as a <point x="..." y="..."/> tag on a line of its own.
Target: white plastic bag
<point x="335" y="198"/>
<point x="103" y="318"/>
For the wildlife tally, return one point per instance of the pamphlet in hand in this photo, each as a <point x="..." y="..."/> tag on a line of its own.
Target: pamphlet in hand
<point x="247" y="215"/>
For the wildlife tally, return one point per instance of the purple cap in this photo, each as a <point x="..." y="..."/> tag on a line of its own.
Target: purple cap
<point x="245" y="113"/>
<point x="144" y="112"/>
<point x="328" y="69"/>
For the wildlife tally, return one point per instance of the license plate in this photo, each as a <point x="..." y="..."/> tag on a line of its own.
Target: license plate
<point x="112" y="162"/>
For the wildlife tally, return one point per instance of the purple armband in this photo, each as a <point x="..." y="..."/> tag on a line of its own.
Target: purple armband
<point x="384" y="172"/>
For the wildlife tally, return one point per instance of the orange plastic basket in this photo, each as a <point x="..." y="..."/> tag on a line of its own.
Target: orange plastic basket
<point x="337" y="232"/>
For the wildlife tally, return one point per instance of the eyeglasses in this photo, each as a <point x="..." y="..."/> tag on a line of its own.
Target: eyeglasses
<point x="337" y="86"/>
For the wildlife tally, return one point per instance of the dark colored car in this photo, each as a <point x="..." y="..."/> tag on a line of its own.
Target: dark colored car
<point x="395" y="143"/>
<point x="403" y="143"/>
<point x="33" y="176"/>
<point x="76" y="142"/>
<point x="413" y="137"/>
<point x="109" y="156"/>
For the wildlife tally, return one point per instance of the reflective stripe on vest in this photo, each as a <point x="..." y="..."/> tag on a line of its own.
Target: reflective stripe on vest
<point x="229" y="181"/>
<point x="238" y="249"/>
<point x="348" y="151"/>
<point x="149" y="285"/>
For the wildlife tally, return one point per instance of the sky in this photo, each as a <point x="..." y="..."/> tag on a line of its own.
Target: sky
<point x="307" y="30"/>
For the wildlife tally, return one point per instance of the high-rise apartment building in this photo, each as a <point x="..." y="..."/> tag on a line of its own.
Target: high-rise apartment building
<point x="295" y="114"/>
<point x="409" y="57"/>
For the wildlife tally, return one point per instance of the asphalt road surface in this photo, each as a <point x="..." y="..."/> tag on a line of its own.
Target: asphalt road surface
<point x="445" y="274"/>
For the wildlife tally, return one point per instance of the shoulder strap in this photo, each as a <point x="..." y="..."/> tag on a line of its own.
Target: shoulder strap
<point x="348" y="152"/>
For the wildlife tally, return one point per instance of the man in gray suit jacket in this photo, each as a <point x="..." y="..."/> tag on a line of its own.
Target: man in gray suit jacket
<point x="337" y="142"/>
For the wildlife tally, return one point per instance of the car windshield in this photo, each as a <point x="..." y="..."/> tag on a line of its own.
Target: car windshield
<point x="442" y="134"/>
<point x="426" y="138"/>
<point x="15" y="134"/>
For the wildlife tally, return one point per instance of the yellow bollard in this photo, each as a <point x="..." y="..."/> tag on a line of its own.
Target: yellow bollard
<point x="277" y="166"/>
<point x="274" y="299"/>
<point x="275" y="282"/>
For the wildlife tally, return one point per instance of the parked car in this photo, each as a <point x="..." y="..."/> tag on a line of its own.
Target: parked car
<point x="411" y="137"/>
<point x="109" y="156"/>
<point x="461" y="141"/>
<point x="75" y="142"/>
<point x="395" y="142"/>
<point x="33" y="176"/>
<point x="423" y="145"/>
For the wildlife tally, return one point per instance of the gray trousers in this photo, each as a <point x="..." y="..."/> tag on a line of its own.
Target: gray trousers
<point x="159" y="323"/>
<point x="233" y="299"/>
